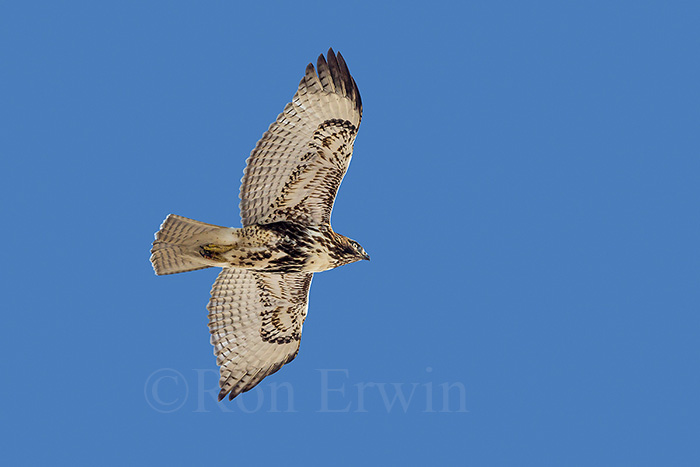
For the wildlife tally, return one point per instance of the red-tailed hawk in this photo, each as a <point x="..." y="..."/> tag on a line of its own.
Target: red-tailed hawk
<point x="260" y="299"/>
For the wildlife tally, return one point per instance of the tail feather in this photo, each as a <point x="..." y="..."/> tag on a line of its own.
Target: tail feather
<point x="171" y="252"/>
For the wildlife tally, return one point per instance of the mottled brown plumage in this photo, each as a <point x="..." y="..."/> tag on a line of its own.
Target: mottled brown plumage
<point x="260" y="299"/>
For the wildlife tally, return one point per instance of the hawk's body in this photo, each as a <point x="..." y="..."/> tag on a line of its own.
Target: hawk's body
<point x="279" y="247"/>
<point x="260" y="299"/>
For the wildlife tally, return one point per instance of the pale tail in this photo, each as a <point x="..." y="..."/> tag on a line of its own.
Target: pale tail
<point x="169" y="254"/>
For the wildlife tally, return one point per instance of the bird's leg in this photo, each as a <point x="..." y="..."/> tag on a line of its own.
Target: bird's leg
<point x="214" y="252"/>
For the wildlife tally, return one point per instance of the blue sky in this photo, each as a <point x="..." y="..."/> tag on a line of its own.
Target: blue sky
<point x="525" y="178"/>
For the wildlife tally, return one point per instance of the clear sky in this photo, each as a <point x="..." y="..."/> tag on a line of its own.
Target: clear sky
<point x="525" y="178"/>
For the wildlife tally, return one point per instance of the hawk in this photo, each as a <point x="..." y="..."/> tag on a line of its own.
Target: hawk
<point x="260" y="299"/>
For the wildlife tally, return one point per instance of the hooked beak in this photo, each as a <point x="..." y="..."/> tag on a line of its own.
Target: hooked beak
<point x="365" y="256"/>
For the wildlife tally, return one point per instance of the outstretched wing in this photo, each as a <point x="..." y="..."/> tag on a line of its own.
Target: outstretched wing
<point x="296" y="168"/>
<point x="255" y="321"/>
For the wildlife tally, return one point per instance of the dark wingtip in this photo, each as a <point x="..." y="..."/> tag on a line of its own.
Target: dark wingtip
<point x="351" y="89"/>
<point x="337" y="69"/>
<point x="321" y="63"/>
<point x="358" y="98"/>
<point x="336" y="74"/>
<point x="350" y="86"/>
<point x="222" y="394"/>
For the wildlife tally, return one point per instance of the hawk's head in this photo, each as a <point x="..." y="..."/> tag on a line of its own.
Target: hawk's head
<point x="348" y="251"/>
<point x="357" y="251"/>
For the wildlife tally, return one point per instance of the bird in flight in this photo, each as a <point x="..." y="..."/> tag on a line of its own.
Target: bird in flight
<point x="260" y="299"/>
